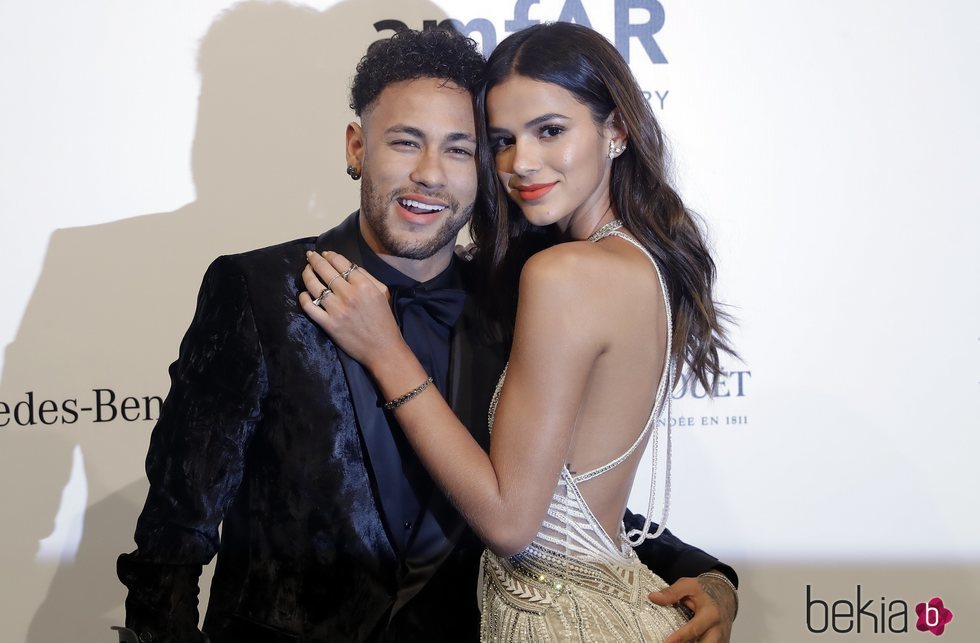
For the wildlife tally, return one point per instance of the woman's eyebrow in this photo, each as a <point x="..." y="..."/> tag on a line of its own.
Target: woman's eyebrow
<point x="534" y="122"/>
<point x="543" y="118"/>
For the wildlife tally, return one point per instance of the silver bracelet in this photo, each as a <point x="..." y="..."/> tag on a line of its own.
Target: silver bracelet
<point x="724" y="579"/>
<point x="398" y="401"/>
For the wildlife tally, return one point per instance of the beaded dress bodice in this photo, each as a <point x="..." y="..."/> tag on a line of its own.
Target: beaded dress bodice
<point x="575" y="581"/>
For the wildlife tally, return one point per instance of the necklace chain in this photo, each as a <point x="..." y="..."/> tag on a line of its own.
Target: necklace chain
<point x="604" y="231"/>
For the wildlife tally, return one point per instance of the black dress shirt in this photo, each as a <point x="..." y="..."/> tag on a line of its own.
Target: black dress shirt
<point x="425" y="312"/>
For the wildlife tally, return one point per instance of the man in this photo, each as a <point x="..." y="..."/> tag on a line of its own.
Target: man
<point x="331" y="529"/>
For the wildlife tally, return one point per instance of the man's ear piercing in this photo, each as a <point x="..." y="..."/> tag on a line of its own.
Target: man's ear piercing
<point x="353" y="172"/>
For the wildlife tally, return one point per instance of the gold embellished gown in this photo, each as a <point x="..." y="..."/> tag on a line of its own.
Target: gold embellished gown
<point x="574" y="582"/>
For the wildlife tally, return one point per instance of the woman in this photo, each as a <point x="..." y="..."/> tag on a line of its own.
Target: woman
<point x="602" y="319"/>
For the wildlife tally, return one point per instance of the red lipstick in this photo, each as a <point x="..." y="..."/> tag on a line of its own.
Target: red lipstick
<point x="535" y="191"/>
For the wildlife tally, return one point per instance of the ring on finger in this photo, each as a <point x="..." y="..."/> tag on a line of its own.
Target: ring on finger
<point x="323" y="294"/>
<point x="345" y="274"/>
<point x="332" y="279"/>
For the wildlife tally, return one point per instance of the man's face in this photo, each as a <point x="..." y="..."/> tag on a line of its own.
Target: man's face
<point x="416" y="148"/>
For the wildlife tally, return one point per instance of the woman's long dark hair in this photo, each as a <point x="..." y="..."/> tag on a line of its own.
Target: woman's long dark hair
<point x="583" y="62"/>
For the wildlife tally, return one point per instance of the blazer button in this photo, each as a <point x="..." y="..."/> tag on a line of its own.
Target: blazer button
<point x="408" y="525"/>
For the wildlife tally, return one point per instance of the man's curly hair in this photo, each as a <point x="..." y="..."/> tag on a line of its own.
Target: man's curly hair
<point x="408" y="55"/>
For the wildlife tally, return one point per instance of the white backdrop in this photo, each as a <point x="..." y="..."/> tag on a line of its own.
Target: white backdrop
<point x="830" y="146"/>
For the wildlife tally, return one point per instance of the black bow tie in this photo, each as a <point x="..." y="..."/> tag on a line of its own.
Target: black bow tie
<point x="445" y="305"/>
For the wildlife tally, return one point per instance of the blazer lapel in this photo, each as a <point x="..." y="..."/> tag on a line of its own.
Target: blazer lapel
<point x="474" y="365"/>
<point x="382" y="455"/>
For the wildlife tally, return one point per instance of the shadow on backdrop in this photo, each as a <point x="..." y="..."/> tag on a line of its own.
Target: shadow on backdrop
<point x="113" y="300"/>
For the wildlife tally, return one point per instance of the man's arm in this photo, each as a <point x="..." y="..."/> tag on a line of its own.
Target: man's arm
<point x="671" y="558"/>
<point x="196" y="458"/>
<point x="697" y="580"/>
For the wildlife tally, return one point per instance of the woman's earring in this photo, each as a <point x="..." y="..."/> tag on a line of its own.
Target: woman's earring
<point x="353" y="172"/>
<point x="616" y="150"/>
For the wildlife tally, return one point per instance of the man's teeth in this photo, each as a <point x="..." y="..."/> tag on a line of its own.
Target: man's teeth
<point x="428" y="207"/>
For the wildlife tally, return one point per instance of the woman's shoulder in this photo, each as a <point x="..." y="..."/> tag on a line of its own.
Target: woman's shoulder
<point x="571" y="272"/>
<point x="570" y="260"/>
<point x="591" y="279"/>
<point x="577" y="264"/>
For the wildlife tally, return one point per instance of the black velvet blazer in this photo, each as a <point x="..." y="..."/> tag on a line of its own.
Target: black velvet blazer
<point x="261" y="430"/>
<point x="271" y="432"/>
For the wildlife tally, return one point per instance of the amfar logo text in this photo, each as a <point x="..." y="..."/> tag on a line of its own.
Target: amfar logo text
<point x="572" y="11"/>
<point x="881" y="616"/>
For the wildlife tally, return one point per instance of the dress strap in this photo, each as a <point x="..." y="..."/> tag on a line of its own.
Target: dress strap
<point x="665" y="388"/>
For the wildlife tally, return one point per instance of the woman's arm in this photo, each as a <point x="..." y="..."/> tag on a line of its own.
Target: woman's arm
<point x="556" y="342"/>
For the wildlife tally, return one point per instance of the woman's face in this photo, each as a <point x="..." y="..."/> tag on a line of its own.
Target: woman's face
<point x="551" y="156"/>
